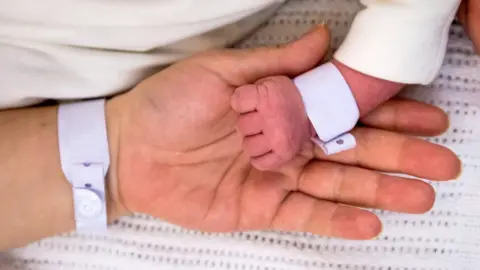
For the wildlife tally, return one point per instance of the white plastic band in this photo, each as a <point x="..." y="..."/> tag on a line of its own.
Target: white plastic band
<point x="84" y="155"/>
<point x="330" y="106"/>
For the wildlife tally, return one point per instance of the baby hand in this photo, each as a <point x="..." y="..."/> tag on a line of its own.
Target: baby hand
<point x="272" y="121"/>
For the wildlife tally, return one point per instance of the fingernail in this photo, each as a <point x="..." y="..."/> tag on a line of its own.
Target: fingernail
<point x="460" y="173"/>
<point x="377" y="237"/>
<point x="322" y="24"/>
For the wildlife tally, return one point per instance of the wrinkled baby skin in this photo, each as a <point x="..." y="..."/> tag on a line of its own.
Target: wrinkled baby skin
<point x="272" y="117"/>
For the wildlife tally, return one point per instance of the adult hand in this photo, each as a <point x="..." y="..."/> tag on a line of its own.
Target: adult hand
<point x="179" y="157"/>
<point x="469" y="16"/>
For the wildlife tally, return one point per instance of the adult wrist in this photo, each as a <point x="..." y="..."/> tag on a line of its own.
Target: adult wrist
<point x="88" y="141"/>
<point x="115" y="110"/>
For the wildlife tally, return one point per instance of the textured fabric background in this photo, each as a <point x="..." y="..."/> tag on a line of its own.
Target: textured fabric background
<point x="445" y="238"/>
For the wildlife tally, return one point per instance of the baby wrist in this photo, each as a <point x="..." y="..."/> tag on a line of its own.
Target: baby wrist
<point x="330" y="107"/>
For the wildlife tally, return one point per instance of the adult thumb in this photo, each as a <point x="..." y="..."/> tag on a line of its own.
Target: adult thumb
<point x="244" y="66"/>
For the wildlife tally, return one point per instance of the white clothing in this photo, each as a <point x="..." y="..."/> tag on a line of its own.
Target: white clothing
<point x="73" y="49"/>
<point x="399" y="40"/>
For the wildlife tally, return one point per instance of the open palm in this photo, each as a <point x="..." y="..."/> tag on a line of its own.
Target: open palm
<point x="180" y="157"/>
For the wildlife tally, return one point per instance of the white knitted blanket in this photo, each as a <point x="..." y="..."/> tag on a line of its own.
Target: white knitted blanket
<point x="445" y="238"/>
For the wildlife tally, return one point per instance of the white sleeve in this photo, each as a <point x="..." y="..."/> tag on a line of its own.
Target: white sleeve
<point x="399" y="40"/>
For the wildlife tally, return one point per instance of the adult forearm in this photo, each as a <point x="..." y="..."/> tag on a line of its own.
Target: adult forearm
<point x="36" y="198"/>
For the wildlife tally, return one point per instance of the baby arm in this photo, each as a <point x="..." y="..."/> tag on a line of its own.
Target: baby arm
<point x="368" y="91"/>
<point x="273" y="120"/>
<point x="390" y="44"/>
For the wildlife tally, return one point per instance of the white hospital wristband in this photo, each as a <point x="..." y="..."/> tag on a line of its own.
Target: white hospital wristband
<point x="330" y="106"/>
<point x="84" y="155"/>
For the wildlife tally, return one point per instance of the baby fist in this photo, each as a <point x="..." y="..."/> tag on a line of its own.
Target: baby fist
<point x="272" y="121"/>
